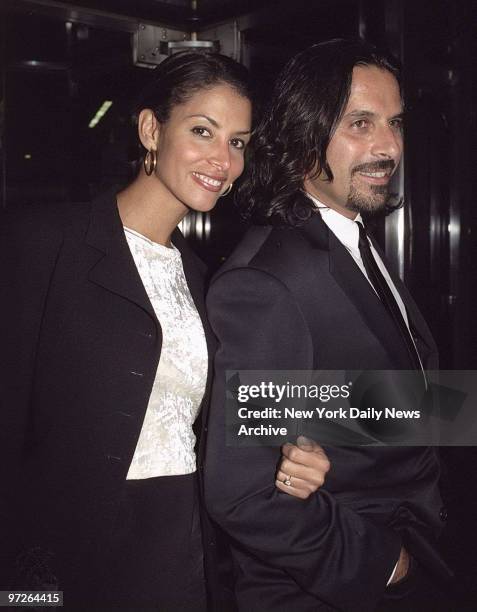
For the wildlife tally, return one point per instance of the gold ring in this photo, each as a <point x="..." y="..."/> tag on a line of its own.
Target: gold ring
<point x="287" y="481"/>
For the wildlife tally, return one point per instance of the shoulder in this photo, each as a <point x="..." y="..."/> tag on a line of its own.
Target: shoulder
<point x="254" y="311"/>
<point x="32" y="239"/>
<point x="276" y="252"/>
<point x="44" y="225"/>
<point x="257" y="277"/>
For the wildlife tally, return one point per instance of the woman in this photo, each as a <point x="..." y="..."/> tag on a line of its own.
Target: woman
<point x="106" y="377"/>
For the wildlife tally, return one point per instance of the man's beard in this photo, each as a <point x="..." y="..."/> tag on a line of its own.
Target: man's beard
<point x="369" y="203"/>
<point x="377" y="196"/>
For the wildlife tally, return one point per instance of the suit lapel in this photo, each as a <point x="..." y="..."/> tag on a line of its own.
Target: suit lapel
<point x="419" y="329"/>
<point x="115" y="269"/>
<point x="358" y="290"/>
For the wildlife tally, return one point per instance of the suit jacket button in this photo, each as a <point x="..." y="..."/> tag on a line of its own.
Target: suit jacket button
<point x="443" y="514"/>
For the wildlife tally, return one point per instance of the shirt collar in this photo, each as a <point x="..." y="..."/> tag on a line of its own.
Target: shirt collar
<point x="343" y="228"/>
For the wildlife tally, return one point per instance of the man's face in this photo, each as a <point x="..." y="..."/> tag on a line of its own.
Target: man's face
<point x="366" y="147"/>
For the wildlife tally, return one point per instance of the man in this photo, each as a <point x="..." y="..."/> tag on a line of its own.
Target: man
<point x="309" y="290"/>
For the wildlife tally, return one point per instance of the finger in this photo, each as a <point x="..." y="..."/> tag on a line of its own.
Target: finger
<point x="307" y="443"/>
<point x="300" y="488"/>
<point x="299" y="493"/>
<point x="315" y="460"/>
<point x="303" y="456"/>
<point x="297" y="483"/>
<point x="284" y="478"/>
<point x="314" y="475"/>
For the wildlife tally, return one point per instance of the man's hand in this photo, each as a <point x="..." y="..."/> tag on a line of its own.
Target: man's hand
<point x="303" y="467"/>
<point x="402" y="567"/>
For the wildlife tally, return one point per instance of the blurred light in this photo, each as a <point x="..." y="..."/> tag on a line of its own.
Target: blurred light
<point x="453" y="228"/>
<point x="68" y="26"/>
<point x="102" y="110"/>
<point x="27" y="156"/>
<point x="400" y="226"/>
<point x="184" y="226"/>
<point x="207" y="226"/>
<point x="199" y="225"/>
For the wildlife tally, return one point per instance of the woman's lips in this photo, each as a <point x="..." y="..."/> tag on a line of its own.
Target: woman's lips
<point x="210" y="183"/>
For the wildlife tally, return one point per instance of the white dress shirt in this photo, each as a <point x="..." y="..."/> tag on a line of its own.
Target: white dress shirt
<point x="347" y="232"/>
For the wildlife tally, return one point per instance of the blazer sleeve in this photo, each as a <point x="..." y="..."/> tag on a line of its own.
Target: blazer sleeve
<point x="330" y="551"/>
<point x="28" y="254"/>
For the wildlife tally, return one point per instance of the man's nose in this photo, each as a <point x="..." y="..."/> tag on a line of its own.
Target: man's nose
<point x="387" y="143"/>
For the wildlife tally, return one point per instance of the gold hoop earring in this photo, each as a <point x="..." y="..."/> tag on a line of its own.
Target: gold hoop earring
<point x="227" y="191"/>
<point x="150" y="162"/>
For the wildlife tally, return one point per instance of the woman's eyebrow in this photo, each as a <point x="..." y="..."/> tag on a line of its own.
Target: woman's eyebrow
<point x="209" y="119"/>
<point x="214" y="122"/>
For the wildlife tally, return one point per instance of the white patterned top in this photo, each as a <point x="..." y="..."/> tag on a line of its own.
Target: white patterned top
<point x="166" y="443"/>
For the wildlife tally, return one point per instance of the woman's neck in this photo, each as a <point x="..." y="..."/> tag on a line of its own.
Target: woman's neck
<point x="143" y="210"/>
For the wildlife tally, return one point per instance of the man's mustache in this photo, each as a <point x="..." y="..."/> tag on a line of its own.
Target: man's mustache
<point x="383" y="165"/>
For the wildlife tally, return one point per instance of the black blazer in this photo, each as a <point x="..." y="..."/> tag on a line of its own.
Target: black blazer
<point x="80" y="348"/>
<point x="294" y="299"/>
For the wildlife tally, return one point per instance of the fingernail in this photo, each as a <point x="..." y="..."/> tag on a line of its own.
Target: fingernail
<point x="304" y="441"/>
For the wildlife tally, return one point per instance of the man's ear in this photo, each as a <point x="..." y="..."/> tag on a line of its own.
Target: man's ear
<point x="148" y="129"/>
<point x="316" y="174"/>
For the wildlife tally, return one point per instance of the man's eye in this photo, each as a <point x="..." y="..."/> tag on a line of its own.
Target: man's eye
<point x="238" y="143"/>
<point x="201" y="131"/>
<point x="397" y="123"/>
<point x="360" y="123"/>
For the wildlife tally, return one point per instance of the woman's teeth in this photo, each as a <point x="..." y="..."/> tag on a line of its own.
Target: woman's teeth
<point x="208" y="180"/>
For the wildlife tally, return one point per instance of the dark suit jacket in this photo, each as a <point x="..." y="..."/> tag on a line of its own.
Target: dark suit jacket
<point x="294" y="299"/>
<point x="80" y="348"/>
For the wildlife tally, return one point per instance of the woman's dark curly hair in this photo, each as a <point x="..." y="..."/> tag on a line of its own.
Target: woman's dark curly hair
<point x="292" y="137"/>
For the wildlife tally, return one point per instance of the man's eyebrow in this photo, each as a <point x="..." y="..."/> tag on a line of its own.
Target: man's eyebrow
<point x="370" y="114"/>
<point x="214" y="122"/>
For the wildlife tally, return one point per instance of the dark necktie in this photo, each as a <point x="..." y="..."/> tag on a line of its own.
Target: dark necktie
<point x="385" y="294"/>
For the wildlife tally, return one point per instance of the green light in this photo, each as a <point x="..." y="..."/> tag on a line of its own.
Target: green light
<point x="102" y="110"/>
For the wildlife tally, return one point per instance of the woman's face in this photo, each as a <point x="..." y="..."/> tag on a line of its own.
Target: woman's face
<point x="200" y="149"/>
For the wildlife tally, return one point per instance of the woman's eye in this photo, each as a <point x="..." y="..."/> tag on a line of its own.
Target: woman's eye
<point x="360" y="123"/>
<point x="238" y="143"/>
<point x="201" y="131"/>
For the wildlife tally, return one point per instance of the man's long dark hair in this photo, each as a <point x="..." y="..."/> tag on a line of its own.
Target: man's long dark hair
<point x="290" y="141"/>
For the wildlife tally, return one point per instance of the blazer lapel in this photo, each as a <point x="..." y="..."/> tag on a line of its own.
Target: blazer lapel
<point x="115" y="269"/>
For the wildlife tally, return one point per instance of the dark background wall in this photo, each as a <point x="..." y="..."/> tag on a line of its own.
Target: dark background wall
<point x="61" y="60"/>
